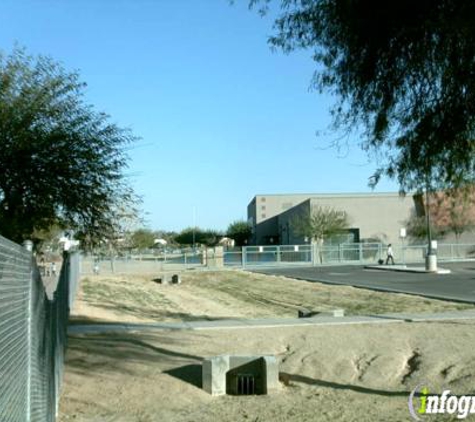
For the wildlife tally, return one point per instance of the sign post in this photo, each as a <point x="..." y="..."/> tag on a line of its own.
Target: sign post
<point x="402" y="235"/>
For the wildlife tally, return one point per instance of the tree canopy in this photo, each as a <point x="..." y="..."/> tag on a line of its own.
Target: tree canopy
<point x="320" y="223"/>
<point x="417" y="229"/>
<point x="197" y="236"/>
<point x="402" y="70"/>
<point x="62" y="162"/>
<point x="451" y="211"/>
<point x="240" y="231"/>
<point x="142" y="239"/>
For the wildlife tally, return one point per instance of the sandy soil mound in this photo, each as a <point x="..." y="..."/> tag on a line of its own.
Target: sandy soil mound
<point x="328" y="373"/>
<point x="344" y="373"/>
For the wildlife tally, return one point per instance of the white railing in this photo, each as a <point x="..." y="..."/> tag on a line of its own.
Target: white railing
<point x="281" y="255"/>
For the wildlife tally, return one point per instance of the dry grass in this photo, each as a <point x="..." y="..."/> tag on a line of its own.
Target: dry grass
<point x="234" y="294"/>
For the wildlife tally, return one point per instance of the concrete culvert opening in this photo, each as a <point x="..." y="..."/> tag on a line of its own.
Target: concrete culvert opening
<point x="247" y="379"/>
<point x="240" y="375"/>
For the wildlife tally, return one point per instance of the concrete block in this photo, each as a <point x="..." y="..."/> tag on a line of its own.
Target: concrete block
<point x="213" y="257"/>
<point x="431" y="263"/>
<point x="176" y="279"/>
<point x="214" y="375"/>
<point x="218" y="373"/>
<point x="162" y="279"/>
<point x="272" y="369"/>
<point x="338" y="313"/>
<point x="307" y="313"/>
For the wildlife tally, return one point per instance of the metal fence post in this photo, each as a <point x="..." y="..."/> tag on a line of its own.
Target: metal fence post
<point x="360" y="250"/>
<point x="29" y="352"/>
<point x="28" y="245"/>
<point x="278" y="255"/>
<point x="243" y="256"/>
<point x="314" y="254"/>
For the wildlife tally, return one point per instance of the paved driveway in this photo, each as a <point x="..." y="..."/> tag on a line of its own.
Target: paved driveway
<point x="458" y="286"/>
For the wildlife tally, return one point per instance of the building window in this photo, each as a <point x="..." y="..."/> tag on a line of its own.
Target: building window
<point x="263" y="216"/>
<point x="263" y="199"/>
<point x="263" y="207"/>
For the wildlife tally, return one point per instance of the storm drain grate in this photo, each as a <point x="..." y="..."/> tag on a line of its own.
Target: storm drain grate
<point x="245" y="385"/>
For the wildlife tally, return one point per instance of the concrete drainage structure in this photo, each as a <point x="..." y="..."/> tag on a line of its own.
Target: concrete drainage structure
<point x="307" y="313"/>
<point x="165" y="279"/>
<point x="240" y="375"/>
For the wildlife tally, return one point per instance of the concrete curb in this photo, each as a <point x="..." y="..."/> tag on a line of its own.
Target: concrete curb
<point x="270" y="323"/>
<point x="405" y="269"/>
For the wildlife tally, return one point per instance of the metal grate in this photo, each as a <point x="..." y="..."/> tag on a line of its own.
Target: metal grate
<point x="245" y="384"/>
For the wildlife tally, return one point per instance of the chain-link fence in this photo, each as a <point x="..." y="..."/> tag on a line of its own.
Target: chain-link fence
<point x="287" y="255"/>
<point x="272" y="255"/>
<point x="32" y="334"/>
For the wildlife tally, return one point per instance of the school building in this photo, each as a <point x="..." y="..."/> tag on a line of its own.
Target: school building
<point x="376" y="217"/>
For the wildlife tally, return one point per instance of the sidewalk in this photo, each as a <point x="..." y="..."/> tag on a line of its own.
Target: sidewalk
<point x="406" y="269"/>
<point x="270" y="323"/>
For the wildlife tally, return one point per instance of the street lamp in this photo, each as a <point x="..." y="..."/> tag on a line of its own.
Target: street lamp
<point x="194" y="227"/>
<point x="431" y="258"/>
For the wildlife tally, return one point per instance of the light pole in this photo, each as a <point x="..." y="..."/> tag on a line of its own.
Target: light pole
<point x="194" y="226"/>
<point x="431" y="258"/>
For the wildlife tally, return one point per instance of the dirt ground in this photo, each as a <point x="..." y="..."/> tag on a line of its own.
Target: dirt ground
<point x="341" y="373"/>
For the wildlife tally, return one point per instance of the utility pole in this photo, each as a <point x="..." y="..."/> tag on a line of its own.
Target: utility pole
<point x="429" y="230"/>
<point x="431" y="258"/>
<point x="194" y="226"/>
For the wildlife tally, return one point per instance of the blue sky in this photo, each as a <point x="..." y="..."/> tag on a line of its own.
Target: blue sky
<point x="220" y="115"/>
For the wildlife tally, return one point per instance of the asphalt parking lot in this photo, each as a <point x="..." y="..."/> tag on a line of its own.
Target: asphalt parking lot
<point x="458" y="286"/>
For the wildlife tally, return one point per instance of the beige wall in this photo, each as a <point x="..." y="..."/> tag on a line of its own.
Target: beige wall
<point x="376" y="216"/>
<point x="287" y="234"/>
<point x="268" y="206"/>
<point x="379" y="215"/>
<point x="263" y="210"/>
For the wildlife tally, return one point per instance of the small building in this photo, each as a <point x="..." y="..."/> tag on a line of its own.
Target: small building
<point x="227" y="242"/>
<point x="374" y="217"/>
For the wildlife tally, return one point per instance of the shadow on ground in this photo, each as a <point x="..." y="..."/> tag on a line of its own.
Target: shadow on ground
<point x="137" y="311"/>
<point x="287" y="378"/>
<point x="190" y="374"/>
<point x="121" y="352"/>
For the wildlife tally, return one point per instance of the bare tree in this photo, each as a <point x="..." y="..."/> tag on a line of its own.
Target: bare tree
<point x="321" y="223"/>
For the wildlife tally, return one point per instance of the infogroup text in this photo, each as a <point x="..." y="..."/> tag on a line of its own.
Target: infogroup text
<point x="436" y="404"/>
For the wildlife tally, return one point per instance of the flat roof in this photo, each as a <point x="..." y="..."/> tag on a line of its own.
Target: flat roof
<point x="342" y="194"/>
